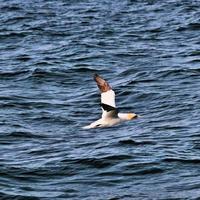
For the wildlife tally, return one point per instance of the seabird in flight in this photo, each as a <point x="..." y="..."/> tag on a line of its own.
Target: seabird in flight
<point x="110" y="115"/>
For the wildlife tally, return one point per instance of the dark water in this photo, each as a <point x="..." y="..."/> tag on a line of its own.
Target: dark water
<point x="150" y="53"/>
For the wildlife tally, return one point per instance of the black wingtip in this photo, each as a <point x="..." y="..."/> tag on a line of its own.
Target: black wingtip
<point x="107" y="107"/>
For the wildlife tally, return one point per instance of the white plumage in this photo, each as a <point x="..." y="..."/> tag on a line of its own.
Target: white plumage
<point x="110" y="115"/>
<point x="108" y="98"/>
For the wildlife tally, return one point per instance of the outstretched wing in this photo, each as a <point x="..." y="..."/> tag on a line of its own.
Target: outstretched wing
<point x="102" y="84"/>
<point x="107" y="97"/>
<point x="109" y="111"/>
<point x="107" y="94"/>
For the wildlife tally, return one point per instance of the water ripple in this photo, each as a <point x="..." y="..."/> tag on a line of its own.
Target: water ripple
<point x="149" y="52"/>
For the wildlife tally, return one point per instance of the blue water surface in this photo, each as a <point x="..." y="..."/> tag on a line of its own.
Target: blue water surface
<point x="148" y="50"/>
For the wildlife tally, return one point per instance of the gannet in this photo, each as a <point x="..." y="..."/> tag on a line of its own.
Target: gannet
<point x="110" y="115"/>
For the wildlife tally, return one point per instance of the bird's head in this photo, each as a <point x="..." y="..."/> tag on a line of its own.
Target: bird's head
<point x="127" y="116"/>
<point x="131" y="116"/>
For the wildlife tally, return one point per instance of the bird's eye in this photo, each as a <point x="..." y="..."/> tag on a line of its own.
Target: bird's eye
<point x="98" y="125"/>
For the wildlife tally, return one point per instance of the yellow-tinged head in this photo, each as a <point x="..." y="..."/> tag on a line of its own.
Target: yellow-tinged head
<point x="127" y="116"/>
<point x="131" y="116"/>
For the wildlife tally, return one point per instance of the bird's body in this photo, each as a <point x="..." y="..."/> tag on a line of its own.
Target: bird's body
<point x="103" y="122"/>
<point x="110" y="114"/>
